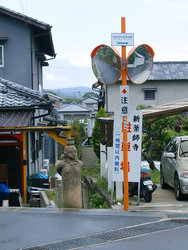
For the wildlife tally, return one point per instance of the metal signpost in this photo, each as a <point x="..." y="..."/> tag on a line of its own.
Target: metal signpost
<point x="137" y="67"/>
<point x="124" y="126"/>
<point x="119" y="39"/>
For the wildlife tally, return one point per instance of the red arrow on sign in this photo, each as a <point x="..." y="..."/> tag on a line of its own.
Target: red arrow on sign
<point x="124" y="91"/>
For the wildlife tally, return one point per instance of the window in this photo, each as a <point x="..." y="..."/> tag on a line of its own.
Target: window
<point x="1" y="56"/>
<point x="172" y="146"/>
<point x="183" y="148"/>
<point x="89" y="105"/>
<point x="149" y="94"/>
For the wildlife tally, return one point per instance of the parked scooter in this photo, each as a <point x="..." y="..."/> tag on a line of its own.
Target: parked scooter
<point x="147" y="187"/>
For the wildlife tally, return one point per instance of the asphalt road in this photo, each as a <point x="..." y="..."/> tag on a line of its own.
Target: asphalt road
<point x="107" y="73"/>
<point x="30" y="227"/>
<point x="164" y="240"/>
<point x="147" y="226"/>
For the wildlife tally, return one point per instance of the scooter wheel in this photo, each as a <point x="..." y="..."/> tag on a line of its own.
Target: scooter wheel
<point x="148" y="197"/>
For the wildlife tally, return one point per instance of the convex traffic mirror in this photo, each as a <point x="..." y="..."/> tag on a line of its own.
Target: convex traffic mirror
<point x="106" y="64"/>
<point x="139" y="63"/>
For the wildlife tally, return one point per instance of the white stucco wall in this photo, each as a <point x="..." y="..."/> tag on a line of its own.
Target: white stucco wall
<point x="166" y="91"/>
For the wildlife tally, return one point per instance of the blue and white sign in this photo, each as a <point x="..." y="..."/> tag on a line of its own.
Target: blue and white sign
<point x="122" y="39"/>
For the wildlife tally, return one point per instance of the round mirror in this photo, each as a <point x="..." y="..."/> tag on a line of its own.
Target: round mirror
<point x="106" y="64"/>
<point x="139" y="63"/>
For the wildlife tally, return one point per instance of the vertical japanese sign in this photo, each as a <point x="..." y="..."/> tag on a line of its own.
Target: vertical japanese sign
<point x="124" y="100"/>
<point x="134" y="130"/>
<point x="117" y="170"/>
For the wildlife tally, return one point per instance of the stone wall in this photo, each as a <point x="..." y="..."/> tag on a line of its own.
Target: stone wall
<point x="89" y="157"/>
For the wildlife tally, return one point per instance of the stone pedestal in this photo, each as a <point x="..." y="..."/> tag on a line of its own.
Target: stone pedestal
<point x="70" y="169"/>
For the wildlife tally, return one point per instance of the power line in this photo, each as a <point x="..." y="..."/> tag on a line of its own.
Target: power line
<point x="26" y="7"/>
<point x="22" y="7"/>
<point x="69" y="68"/>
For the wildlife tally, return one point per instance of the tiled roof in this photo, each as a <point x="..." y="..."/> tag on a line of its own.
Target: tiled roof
<point x="18" y="104"/>
<point x="44" y="39"/>
<point x="24" y="18"/>
<point x="15" y="95"/>
<point x="73" y="107"/>
<point x="12" y="99"/>
<point x="90" y="98"/>
<point x="172" y="70"/>
<point x="15" y="118"/>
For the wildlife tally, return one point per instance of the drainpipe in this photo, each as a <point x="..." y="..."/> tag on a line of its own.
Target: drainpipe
<point x="32" y="60"/>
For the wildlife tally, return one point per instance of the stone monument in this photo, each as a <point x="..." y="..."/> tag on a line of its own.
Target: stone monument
<point x="69" y="167"/>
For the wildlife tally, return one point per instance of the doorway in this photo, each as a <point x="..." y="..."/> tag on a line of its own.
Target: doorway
<point x="11" y="156"/>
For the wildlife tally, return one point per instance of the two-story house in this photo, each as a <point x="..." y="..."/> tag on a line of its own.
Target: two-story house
<point x="91" y="103"/>
<point x="25" y="44"/>
<point x="168" y="83"/>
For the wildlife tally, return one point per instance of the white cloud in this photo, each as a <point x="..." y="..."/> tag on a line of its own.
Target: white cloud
<point x="79" y="26"/>
<point x="61" y="74"/>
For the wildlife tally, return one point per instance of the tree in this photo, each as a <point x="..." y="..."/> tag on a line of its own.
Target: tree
<point x="96" y="132"/>
<point x="50" y="91"/>
<point x="156" y="135"/>
<point x="86" y="95"/>
<point x="71" y="100"/>
<point x="79" y="135"/>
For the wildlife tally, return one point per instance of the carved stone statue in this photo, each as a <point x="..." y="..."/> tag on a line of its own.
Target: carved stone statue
<point x="69" y="167"/>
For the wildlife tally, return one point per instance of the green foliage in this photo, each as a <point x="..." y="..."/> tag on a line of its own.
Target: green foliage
<point x="89" y="94"/>
<point x="108" y="56"/>
<point x="52" y="170"/>
<point x="155" y="176"/>
<point x="79" y="135"/>
<point x="184" y="126"/>
<point x="142" y="106"/>
<point x="102" y="183"/>
<point x="156" y="135"/>
<point x="71" y="100"/>
<point x="97" y="201"/>
<point x="93" y="172"/>
<point x="96" y="132"/>
<point x="50" y="91"/>
<point x="50" y="194"/>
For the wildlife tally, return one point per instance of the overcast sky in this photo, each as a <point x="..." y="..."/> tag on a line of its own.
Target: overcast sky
<point x="81" y="25"/>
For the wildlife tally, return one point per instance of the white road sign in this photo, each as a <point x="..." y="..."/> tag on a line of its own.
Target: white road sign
<point x="124" y="100"/>
<point x="122" y="39"/>
<point x="134" y="131"/>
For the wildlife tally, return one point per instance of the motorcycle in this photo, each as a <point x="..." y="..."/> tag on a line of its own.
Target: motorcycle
<point x="147" y="187"/>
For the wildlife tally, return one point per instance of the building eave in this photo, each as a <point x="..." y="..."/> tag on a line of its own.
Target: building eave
<point x="24" y="18"/>
<point x="42" y="31"/>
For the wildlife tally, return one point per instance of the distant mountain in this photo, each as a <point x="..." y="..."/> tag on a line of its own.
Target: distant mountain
<point x="77" y="92"/>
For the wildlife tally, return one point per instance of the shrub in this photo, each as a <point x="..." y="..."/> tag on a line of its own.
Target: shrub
<point x="97" y="201"/>
<point x="96" y="132"/>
